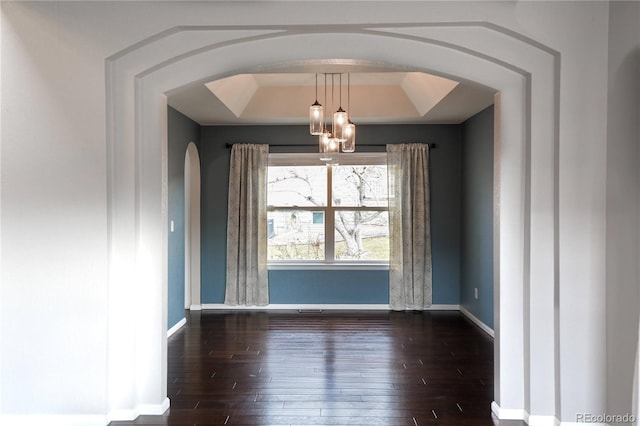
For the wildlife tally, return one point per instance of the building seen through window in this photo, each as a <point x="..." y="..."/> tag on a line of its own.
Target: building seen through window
<point x="323" y="213"/>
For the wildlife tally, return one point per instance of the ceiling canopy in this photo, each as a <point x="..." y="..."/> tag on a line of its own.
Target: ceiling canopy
<point x="377" y="97"/>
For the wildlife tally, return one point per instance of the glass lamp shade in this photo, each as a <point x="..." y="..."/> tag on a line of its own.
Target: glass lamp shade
<point x="339" y="120"/>
<point x="328" y="146"/>
<point x="333" y="145"/>
<point x="323" y="146"/>
<point x="349" y="132"/>
<point x="316" y="118"/>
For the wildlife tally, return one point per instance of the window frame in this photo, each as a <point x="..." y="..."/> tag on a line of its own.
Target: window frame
<point x="329" y="210"/>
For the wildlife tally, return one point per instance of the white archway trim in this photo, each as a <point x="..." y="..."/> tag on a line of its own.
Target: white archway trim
<point x="192" y="228"/>
<point x="525" y="74"/>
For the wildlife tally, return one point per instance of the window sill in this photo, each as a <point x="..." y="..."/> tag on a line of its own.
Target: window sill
<point x="338" y="266"/>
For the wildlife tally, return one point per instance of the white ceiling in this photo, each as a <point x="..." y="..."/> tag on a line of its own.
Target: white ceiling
<point x="372" y="97"/>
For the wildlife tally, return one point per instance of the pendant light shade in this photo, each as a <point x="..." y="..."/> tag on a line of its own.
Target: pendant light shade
<point x="333" y="145"/>
<point x="339" y="121"/>
<point x="326" y="146"/>
<point x="349" y="132"/>
<point x="339" y="117"/>
<point x="349" y="129"/>
<point x="316" y="115"/>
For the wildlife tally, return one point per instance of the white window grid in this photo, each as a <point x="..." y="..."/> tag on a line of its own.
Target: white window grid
<point x="304" y="159"/>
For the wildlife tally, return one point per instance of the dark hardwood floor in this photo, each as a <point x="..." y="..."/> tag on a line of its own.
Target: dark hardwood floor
<point x="329" y="368"/>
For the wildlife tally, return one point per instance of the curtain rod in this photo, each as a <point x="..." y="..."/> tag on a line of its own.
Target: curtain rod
<point x="282" y="145"/>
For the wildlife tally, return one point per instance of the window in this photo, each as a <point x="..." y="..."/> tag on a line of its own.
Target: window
<point x="336" y="213"/>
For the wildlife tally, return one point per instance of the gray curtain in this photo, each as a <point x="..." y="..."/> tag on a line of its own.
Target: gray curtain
<point x="410" y="277"/>
<point x="247" y="282"/>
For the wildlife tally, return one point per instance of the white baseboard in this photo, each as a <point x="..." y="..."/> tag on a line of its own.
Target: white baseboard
<point x="509" y="413"/>
<point x="543" y="421"/>
<point x="531" y="420"/>
<point x="195" y="307"/>
<point x="53" y="420"/>
<point x="176" y="327"/>
<point x="443" y="308"/>
<point x="477" y="321"/>
<point x="140" y="410"/>
<point x="154" y="409"/>
<point x="319" y="306"/>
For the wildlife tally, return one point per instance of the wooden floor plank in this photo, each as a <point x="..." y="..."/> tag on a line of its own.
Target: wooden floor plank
<point x="328" y="368"/>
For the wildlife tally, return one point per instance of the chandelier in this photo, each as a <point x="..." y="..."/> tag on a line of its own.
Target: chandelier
<point x="341" y="136"/>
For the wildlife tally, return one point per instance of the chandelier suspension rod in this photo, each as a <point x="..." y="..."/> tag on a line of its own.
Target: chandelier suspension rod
<point x="340" y="92"/>
<point x="324" y="125"/>
<point x="349" y="92"/>
<point x="331" y="109"/>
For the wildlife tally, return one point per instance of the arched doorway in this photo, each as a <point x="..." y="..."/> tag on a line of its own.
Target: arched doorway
<point x="192" y="228"/>
<point x="526" y="79"/>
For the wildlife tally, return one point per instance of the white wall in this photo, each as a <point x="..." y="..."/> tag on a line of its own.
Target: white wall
<point x="623" y="204"/>
<point x="65" y="323"/>
<point x="582" y="159"/>
<point x="53" y="216"/>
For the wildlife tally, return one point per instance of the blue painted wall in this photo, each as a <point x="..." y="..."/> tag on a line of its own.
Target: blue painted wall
<point x="181" y="131"/>
<point x="477" y="216"/>
<point x="330" y="286"/>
